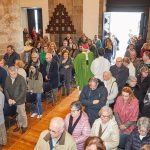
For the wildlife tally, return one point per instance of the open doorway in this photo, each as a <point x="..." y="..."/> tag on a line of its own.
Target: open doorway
<point x="32" y="17"/>
<point x="122" y="25"/>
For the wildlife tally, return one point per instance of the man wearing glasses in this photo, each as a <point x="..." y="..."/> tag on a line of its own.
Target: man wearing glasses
<point x="55" y="138"/>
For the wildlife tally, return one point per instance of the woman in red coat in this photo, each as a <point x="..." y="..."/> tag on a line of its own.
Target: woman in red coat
<point x="126" y="112"/>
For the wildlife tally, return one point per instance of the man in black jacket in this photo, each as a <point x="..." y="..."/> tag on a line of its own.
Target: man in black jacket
<point x="3" y="75"/>
<point x="120" y="72"/>
<point x="11" y="56"/>
<point x="15" y="92"/>
<point x="93" y="97"/>
<point x="50" y="74"/>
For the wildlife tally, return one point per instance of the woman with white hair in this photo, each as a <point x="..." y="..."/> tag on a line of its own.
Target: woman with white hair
<point x="111" y="86"/>
<point x="139" y="136"/>
<point x="132" y="83"/>
<point x="106" y="128"/>
<point x="129" y="65"/>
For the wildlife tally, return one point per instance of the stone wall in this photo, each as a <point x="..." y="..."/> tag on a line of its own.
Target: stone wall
<point x="10" y="25"/>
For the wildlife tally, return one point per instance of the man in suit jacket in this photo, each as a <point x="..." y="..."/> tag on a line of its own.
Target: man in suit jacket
<point x="51" y="75"/>
<point x="15" y="92"/>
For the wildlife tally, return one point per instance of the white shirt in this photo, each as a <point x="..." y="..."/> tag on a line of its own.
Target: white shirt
<point x="131" y="69"/>
<point x="98" y="66"/>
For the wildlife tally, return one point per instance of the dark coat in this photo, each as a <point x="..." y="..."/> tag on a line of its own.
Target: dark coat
<point x="17" y="90"/>
<point x="121" y="74"/>
<point x="10" y="60"/>
<point x="53" y="75"/>
<point x="66" y="73"/>
<point x="3" y="75"/>
<point x="146" y="108"/>
<point x="137" y="92"/>
<point x="144" y="85"/>
<point x="134" y="142"/>
<point x="87" y="97"/>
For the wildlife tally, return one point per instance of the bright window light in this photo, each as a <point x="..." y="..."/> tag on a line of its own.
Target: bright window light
<point x="36" y="20"/>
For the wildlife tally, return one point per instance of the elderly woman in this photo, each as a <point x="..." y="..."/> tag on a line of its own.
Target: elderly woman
<point x="111" y="86"/>
<point x="129" y="65"/>
<point x="139" y="136"/>
<point x="77" y="124"/>
<point x="143" y="80"/>
<point x="126" y="110"/>
<point x="93" y="97"/>
<point x="94" y="143"/>
<point x="106" y="128"/>
<point x="19" y="65"/>
<point x="132" y="83"/>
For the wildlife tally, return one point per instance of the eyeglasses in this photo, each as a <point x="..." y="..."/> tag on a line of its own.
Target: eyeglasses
<point x="119" y="61"/>
<point x="73" y="111"/>
<point x="105" y="116"/>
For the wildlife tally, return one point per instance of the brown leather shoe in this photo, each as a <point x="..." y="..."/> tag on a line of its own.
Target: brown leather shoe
<point x="23" y="129"/>
<point x="16" y="129"/>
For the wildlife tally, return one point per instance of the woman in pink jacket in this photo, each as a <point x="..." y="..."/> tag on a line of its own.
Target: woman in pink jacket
<point x="77" y="124"/>
<point x="126" y="111"/>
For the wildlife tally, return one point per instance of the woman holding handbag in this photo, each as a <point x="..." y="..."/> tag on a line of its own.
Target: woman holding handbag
<point x="35" y="86"/>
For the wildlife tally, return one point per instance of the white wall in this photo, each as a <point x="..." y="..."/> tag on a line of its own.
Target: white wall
<point x="24" y="18"/>
<point x="38" y="4"/>
<point x="90" y="17"/>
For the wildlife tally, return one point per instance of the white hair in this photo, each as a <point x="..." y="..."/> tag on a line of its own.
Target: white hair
<point x="106" y="109"/>
<point x="13" y="68"/>
<point x="58" y="121"/>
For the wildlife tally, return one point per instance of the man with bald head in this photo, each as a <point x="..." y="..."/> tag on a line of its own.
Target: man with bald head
<point x="55" y="138"/>
<point x="51" y="75"/>
<point x="120" y="72"/>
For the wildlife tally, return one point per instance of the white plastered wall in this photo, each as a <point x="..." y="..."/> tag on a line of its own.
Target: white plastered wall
<point x="90" y="17"/>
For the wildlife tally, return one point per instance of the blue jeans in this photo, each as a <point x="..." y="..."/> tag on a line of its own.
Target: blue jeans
<point x="39" y="99"/>
<point x="123" y="140"/>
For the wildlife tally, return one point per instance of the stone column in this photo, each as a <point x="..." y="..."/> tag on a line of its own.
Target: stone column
<point x="10" y="25"/>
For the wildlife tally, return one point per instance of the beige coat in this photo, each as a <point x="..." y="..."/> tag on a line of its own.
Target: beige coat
<point x="66" y="142"/>
<point x="36" y="86"/>
<point x="110" y="135"/>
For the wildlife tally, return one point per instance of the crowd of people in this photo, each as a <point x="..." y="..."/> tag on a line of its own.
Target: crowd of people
<point x="115" y="97"/>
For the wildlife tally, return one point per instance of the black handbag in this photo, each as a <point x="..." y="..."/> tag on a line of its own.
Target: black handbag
<point x="31" y="97"/>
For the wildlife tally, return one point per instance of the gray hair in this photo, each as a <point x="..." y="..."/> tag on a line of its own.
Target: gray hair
<point x="107" y="109"/>
<point x="144" y="122"/>
<point x="131" y="78"/>
<point x="13" y="68"/>
<point x="58" y="121"/>
<point x="77" y="105"/>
